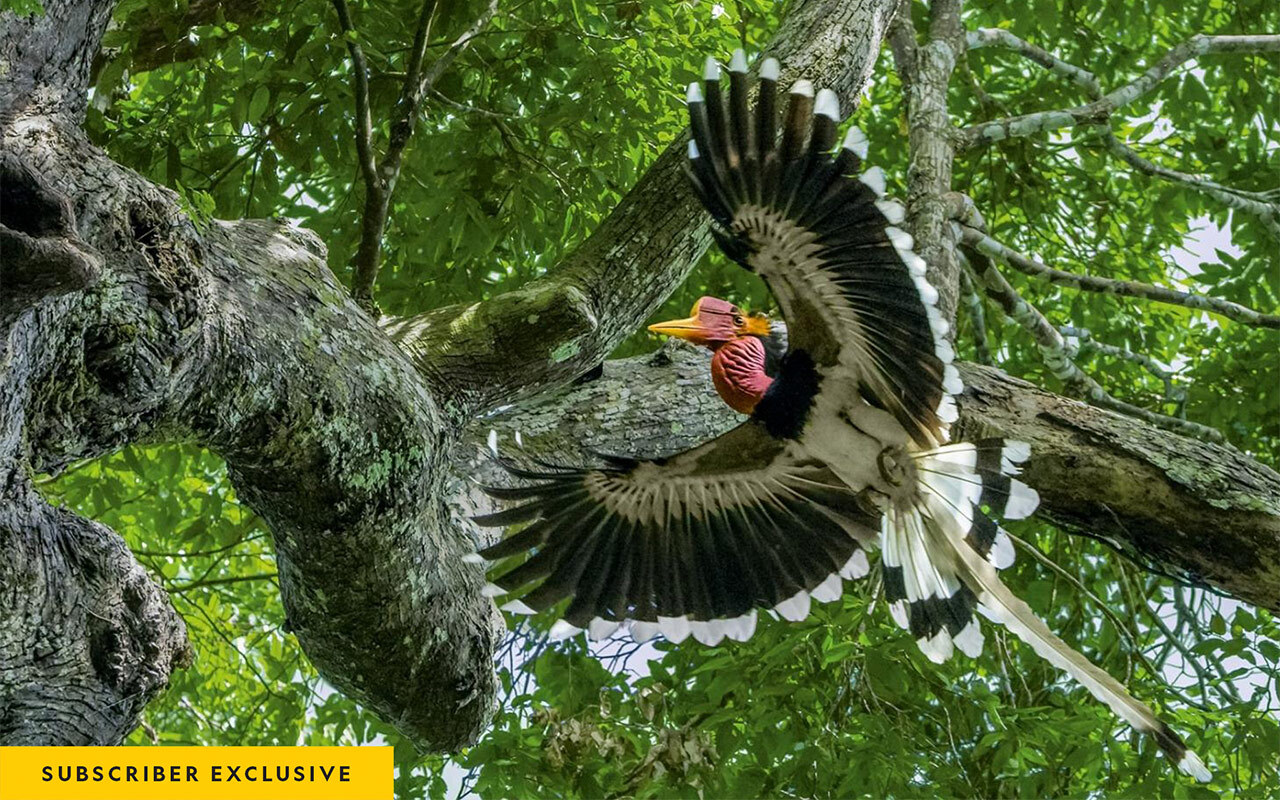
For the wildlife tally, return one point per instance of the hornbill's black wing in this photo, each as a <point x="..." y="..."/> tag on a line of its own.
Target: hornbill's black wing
<point x="693" y="543"/>
<point x="853" y="294"/>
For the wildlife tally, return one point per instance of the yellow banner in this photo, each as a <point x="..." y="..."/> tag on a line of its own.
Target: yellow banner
<point x="196" y="773"/>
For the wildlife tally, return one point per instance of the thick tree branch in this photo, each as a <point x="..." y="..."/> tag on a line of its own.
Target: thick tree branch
<point x="1205" y="512"/>
<point x="239" y="339"/>
<point x="1092" y="283"/>
<point x="1057" y="356"/>
<point x="559" y="326"/>
<point x="1100" y="110"/>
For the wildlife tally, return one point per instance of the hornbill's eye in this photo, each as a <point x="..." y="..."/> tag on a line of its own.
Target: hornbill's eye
<point x="738" y="320"/>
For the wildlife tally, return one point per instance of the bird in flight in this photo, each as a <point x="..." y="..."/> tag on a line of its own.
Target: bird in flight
<point x="846" y="448"/>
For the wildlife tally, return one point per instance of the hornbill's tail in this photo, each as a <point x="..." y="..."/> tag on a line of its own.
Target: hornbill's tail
<point x="940" y="558"/>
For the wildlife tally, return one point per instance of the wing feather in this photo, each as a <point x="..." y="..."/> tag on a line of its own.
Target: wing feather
<point x="853" y="294"/>
<point x="742" y="522"/>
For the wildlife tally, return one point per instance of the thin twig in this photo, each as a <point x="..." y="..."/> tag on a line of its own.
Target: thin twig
<point x="1256" y="204"/>
<point x="360" y="81"/>
<point x="186" y="587"/>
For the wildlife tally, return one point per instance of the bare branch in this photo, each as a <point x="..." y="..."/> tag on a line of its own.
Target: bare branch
<point x="1257" y="204"/>
<point x="1057" y="357"/>
<point x="1101" y="109"/>
<point x="1092" y="283"/>
<point x="360" y="83"/>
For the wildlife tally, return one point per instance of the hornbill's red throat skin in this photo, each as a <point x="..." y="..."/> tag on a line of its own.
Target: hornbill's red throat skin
<point x="846" y="448"/>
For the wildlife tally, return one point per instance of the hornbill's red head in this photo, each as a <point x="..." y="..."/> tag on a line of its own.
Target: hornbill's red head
<point x="742" y="367"/>
<point x="713" y="322"/>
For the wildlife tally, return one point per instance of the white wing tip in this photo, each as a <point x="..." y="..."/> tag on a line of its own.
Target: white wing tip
<point x="564" y="630"/>
<point x="675" y="629"/>
<point x="709" y="633"/>
<point x="1193" y="766"/>
<point x="1022" y="500"/>
<point x="1016" y="452"/>
<point x="947" y="410"/>
<point x="802" y="87"/>
<point x="794" y="608"/>
<point x="928" y="294"/>
<point x="828" y="105"/>
<point x="492" y="590"/>
<point x="644" y="631"/>
<point x="492" y="441"/>
<point x="939" y="648"/>
<point x="600" y="628"/>
<point x="969" y="640"/>
<point x="951" y="383"/>
<point x="711" y="69"/>
<point x="892" y="210"/>
<point x="770" y="70"/>
<point x="473" y="558"/>
<point x="900" y="239"/>
<point x="738" y="63"/>
<point x="898" y="610"/>
<point x="693" y="150"/>
<point x="856" y="141"/>
<point x="518" y="607"/>
<point x="857" y="566"/>
<point x="829" y="590"/>
<point x="694" y="93"/>
<point x="873" y="179"/>
<point x="942" y="348"/>
<point x="1002" y="555"/>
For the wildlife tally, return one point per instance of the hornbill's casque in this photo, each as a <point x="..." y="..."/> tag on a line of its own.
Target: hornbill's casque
<point x="846" y="446"/>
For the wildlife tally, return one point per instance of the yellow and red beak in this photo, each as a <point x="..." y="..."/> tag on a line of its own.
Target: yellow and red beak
<point x="690" y="329"/>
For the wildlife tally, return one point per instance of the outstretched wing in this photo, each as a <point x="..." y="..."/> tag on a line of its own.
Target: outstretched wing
<point x="694" y="543"/>
<point x="853" y="293"/>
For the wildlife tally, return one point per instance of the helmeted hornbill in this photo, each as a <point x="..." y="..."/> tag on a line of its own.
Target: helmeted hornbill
<point x="846" y="446"/>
